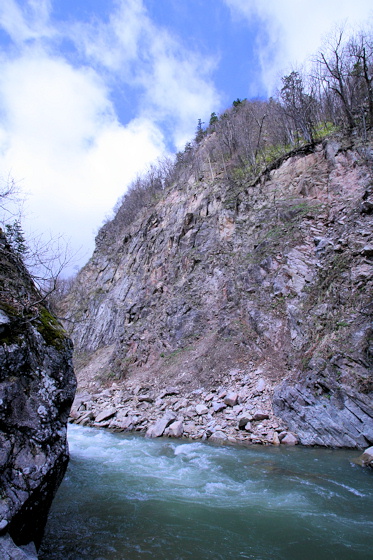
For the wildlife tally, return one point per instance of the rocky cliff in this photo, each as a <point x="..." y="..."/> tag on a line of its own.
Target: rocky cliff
<point x="37" y="386"/>
<point x="225" y="283"/>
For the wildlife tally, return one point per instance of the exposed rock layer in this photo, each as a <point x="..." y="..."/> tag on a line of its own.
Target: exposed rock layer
<point x="37" y="386"/>
<point x="225" y="274"/>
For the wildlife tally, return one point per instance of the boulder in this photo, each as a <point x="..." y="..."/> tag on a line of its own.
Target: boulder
<point x="288" y="438"/>
<point x="85" y="418"/>
<point x="176" y="429"/>
<point x="105" y="414"/>
<point x="125" y="424"/>
<point x="366" y="459"/>
<point x="145" y="398"/>
<point x="201" y="409"/>
<point x="218" y="406"/>
<point x="218" y="436"/>
<point x="243" y="421"/>
<point x="276" y="440"/>
<point x="189" y="428"/>
<point x="157" y="429"/>
<point x="231" y="398"/>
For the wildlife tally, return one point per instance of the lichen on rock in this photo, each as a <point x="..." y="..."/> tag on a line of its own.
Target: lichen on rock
<point x="37" y="386"/>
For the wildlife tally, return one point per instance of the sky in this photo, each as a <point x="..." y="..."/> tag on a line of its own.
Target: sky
<point x="93" y="91"/>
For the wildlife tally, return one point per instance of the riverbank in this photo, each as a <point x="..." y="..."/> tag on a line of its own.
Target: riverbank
<point x="238" y="411"/>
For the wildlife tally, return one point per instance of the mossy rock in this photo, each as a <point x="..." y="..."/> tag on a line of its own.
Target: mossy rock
<point x="8" y="309"/>
<point x="50" y="329"/>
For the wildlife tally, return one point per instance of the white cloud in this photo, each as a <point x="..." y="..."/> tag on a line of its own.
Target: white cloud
<point x="294" y="29"/>
<point x="60" y="133"/>
<point x="62" y="138"/>
<point x="174" y="83"/>
<point x="12" y="20"/>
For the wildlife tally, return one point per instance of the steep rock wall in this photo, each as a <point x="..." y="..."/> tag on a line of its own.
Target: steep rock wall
<point x="272" y="276"/>
<point x="37" y="386"/>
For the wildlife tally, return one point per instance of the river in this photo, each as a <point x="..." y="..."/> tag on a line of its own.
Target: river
<point x="126" y="497"/>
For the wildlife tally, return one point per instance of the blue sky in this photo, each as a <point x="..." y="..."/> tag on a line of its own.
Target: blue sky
<point x="92" y="91"/>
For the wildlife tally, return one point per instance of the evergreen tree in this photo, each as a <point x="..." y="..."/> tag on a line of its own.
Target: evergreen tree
<point x="213" y="119"/>
<point x="200" y="133"/>
<point x="16" y="238"/>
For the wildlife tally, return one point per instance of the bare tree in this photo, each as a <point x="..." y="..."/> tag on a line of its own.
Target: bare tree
<point x="335" y="72"/>
<point x="45" y="257"/>
<point x="360" y="50"/>
<point x="10" y="199"/>
<point x="298" y="106"/>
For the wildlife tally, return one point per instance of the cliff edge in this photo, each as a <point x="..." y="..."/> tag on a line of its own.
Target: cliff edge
<point x="37" y="386"/>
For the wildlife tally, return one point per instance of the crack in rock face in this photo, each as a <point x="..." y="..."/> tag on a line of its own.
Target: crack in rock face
<point x="37" y="387"/>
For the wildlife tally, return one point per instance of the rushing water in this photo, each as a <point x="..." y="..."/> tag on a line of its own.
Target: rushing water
<point x="130" y="498"/>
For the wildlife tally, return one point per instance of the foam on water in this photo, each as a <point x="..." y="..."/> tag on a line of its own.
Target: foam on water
<point x="131" y="498"/>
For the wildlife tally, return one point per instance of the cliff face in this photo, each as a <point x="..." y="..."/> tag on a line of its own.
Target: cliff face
<point x="271" y="278"/>
<point x="37" y="386"/>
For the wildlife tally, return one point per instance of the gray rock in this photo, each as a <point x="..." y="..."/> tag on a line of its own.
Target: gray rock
<point x="366" y="459"/>
<point x="105" y="414"/>
<point x="276" y="439"/>
<point x="345" y="420"/>
<point x="4" y="319"/>
<point x="9" y="551"/>
<point x="201" y="409"/>
<point x="168" y="392"/>
<point x="243" y="421"/>
<point x="85" y="418"/>
<point x="260" y="415"/>
<point x="289" y="439"/>
<point x="367" y="251"/>
<point x="260" y="386"/>
<point x="182" y="403"/>
<point x="218" y="436"/>
<point x="125" y="424"/>
<point x="37" y="386"/>
<point x="231" y="398"/>
<point x="157" y="429"/>
<point x="176" y="429"/>
<point x="145" y="398"/>
<point x="218" y="406"/>
<point x="189" y="427"/>
<point x="367" y="207"/>
<point x="30" y="551"/>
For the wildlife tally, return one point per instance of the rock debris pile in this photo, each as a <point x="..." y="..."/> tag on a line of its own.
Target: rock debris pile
<point x="237" y="411"/>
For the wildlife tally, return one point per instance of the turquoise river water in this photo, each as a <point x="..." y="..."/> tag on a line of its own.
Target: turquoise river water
<point x="125" y="497"/>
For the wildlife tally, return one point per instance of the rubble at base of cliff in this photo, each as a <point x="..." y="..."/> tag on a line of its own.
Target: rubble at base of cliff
<point x="238" y="411"/>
